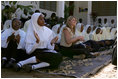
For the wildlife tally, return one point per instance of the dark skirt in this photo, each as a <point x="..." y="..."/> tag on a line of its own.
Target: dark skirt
<point x="12" y="52"/>
<point x="73" y="50"/>
<point x="54" y="59"/>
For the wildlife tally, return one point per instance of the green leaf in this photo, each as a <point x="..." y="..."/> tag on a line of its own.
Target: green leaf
<point x="14" y="2"/>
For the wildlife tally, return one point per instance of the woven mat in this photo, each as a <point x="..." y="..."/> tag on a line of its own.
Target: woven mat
<point x="81" y="68"/>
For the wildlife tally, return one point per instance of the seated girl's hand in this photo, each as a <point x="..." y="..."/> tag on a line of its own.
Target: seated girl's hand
<point x="12" y="37"/>
<point x="80" y="38"/>
<point x="17" y="38"/>
<point x="54" y="40"/>
<point x="37" y="37"/>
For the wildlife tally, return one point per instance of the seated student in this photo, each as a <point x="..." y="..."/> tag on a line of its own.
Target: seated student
<point x="112" y="23"/>
<point x="96" y="34"/>
<point x="40" y="45"/>
<point x="104" y="33"/>
<point x="113" y="33"/>
<point x="93" y="27"/>
<point x="53" y="20"/>
<point x="81" y="21"/>
<point x="79" y="31"/>
<point x="67" y="43"/>
<point x="108" y="30"/>
<point x="26" y="24"/>
<point x="99" y="22"/>
<point x="12" y="43"/>
<point x="105" y="24"/>
<point x="87" y="32"/>
<point x="7" y="24"/>
<point x="56" y="29"/>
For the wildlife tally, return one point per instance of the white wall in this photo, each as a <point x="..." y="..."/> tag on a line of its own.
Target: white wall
<point x="83" y="15"/>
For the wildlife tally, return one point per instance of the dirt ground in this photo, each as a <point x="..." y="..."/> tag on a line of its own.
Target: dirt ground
<point x="106" y="72"/>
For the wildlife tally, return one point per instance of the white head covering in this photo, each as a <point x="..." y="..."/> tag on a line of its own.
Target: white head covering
<point x="78" y="30"/>
<point x="113" y="33"/>
<point x="86" y="35"/>
<point x="9" y="32"/>
<point x="94" y="36"/>
<point x="44" y="33"/>
<point x="104" y="33"/>
<point x="55" y="28"/>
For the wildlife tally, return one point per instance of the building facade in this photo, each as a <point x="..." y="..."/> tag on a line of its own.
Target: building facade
<point x="82" y="9"/>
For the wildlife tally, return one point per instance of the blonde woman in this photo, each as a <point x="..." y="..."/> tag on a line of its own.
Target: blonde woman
<point x="68" y="40"/>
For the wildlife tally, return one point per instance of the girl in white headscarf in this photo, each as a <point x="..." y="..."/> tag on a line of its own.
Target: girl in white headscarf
<point x="104" y="34"/>
<point x="87" y="32"/>
<point x="40" y="45"/>
<point x="96" y="34"/>
<point x="79" y="31"/>
<point x="108" y="33"/>
<point x="93" y="27"/>
<point x="12" y="43"/>
<point x="113" y="33"/>
<point x="57" y="29"/>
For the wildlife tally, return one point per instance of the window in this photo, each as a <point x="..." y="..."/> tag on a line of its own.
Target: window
<point x="48" y="5"/>
<point x="105" y="8"/>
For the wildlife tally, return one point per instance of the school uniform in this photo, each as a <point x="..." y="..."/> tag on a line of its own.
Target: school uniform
<point x="105" y="25"/>
<point x="113" y="31"/>
<point x="87" y="35"/>
<point x="43" y="50"/>
<point x="78" y="32"/>
<point x="108" y="33"/>
<point x="26" y="26"/>
<point x="112" y="25"/>
<point x="57" y="30"/>
<point x="7" y="24"/>
<point x="11" y="51"/>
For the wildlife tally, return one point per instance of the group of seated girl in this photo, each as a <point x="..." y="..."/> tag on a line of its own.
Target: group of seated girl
<point x="77" y="38"/>
<point x="36" y="48"/>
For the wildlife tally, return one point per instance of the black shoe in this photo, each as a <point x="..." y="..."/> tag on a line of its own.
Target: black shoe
<point x="10" y="63"/>
<point x="27" y="68"/>
<point x="16" y="67"/>
<point x="3" y="63"/>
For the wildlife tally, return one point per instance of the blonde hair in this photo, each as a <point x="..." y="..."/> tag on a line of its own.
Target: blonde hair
<point x="68" y="23"/>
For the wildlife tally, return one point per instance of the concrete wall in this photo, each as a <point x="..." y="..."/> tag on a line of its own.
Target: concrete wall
<point x="77" y="14"/>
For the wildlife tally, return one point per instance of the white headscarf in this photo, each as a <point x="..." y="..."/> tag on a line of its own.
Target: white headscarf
<point x="86" y="35"/>
<point x="113" y="33"/>
<point x="9" y="32"/>
<point x="44" y="33"/>
<point x="94" y="36"/>
<point x="78" y="32"/>
<point x="106" y="33"/>
<point x="55" y="29"/>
